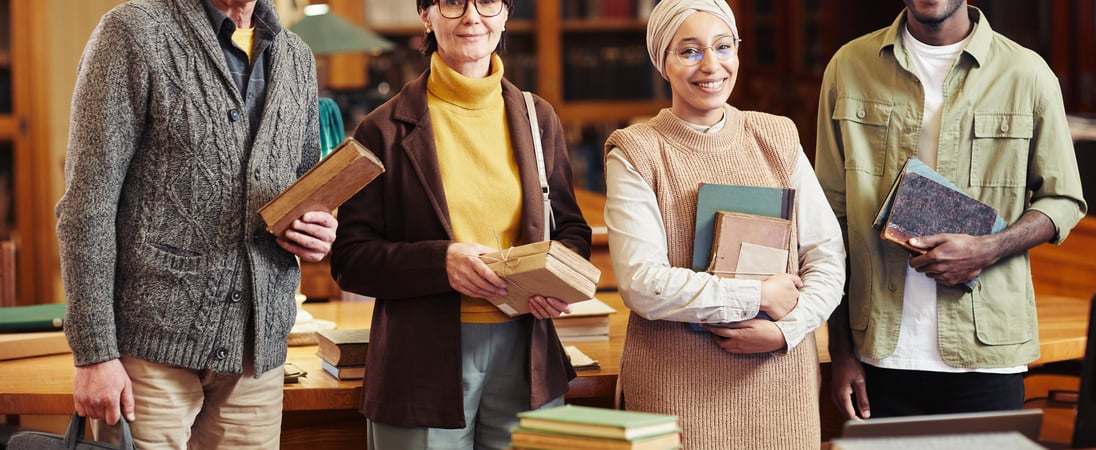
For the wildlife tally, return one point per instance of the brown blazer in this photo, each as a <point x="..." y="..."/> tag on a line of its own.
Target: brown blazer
<point x="391" y="245"/>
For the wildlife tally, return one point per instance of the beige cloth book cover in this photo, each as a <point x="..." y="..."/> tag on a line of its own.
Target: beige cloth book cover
<point x="749" y="245"/>
<point x="546" y="268"/>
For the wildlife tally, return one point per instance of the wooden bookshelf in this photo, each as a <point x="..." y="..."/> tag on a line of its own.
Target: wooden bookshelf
<point x="26" y="167"/>
<point x="538" y="35"/>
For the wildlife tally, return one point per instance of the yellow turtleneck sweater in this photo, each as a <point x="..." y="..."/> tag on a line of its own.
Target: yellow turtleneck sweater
<point x="478" y="168"/>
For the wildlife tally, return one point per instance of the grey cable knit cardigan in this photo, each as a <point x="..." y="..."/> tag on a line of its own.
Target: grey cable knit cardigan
<point x="163" y="255"/>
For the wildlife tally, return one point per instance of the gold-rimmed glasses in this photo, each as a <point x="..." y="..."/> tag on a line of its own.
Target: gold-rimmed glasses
<point x="723" y="49"/>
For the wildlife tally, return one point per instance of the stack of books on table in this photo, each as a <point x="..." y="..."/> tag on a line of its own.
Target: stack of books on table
<point x="342" y="352"/>
<point x="587" y="321"/>
<point x="33" y="330"/>
<point x="583" y="428"/>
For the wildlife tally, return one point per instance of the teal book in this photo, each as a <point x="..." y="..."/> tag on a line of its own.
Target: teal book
<point x="22" y="319"/>
<point x="598" y="422"/>
<point x="712" y="198"/>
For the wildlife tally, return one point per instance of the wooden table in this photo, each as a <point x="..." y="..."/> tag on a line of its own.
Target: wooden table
<point x="321" y="412"/>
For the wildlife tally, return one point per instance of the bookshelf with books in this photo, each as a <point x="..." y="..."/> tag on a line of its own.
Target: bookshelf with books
<point x="30" y="171"/>
<point x="586" y="57"/>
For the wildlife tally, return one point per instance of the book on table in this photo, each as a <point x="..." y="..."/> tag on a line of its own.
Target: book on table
<point x="344" y="372"/>
<point x="711" y="198"/>
<point x="598" y="422"/>
<point x="29" y="318"/>
<point x="546" y="268"/>
<point x="522" y="438"/>
<point x="587" y="321"/>
<point x="325" y="186"/>
<point x="580" y="360"/>
<point x="25" y="345"/>
<point x="343" y="347"/>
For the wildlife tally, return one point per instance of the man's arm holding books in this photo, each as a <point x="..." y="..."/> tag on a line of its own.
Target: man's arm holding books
<point x="952" y="259"/>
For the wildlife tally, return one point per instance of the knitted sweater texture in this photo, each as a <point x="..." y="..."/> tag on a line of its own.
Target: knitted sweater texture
<point x="724" y="400"/>
<point x="163" y="255"/>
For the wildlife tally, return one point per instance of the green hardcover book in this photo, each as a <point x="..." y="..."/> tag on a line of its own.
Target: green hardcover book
<point x="712" y="198"/>
<point x="20" y="319"/>
<point x="598" y="422"/>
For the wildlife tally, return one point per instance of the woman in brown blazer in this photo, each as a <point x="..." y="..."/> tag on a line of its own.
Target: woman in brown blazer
<point x="446" y="369"/>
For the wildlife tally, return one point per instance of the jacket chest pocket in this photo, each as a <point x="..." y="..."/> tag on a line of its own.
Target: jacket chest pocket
<point x="999" y="152"/>
<point x="864" y="126"/>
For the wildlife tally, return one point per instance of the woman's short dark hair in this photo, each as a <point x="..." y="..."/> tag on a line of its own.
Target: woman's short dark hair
<point x="430" y="42"/>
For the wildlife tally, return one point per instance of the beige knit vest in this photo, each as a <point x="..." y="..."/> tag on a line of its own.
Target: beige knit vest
<point x="724" y="400"/>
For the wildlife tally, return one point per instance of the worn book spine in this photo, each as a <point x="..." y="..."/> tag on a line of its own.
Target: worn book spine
<point x="343" y="347"/>
<point x="324" y="187"/>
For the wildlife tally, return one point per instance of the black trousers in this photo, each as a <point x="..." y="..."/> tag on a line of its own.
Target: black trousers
<point x="894" y="392"/>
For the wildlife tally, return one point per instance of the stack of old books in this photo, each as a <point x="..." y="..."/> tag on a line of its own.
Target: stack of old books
<point x="583" y="428"/>
<point x="33" y="330"/>
<point x="546" y="268"/>
<point x="342" y="352"/>
<point x="587" y="321"/>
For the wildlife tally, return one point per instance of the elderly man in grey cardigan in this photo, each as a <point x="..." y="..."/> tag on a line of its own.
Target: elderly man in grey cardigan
<point x="187" y="116"/>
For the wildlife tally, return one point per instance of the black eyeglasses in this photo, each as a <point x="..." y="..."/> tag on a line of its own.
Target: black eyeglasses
<point x="723" y="49"/>
<point x="455" y="9"/>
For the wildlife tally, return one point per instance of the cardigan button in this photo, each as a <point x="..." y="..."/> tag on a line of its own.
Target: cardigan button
<point x="233" y="115"/>
<point x="221" y="353"/>
<point x="235" y="297"/>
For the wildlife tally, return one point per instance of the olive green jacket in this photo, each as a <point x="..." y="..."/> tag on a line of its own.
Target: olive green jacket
<point x="1004" y="140"/>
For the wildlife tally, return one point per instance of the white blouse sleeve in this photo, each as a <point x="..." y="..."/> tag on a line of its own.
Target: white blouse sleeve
<point x="647" y="283"/>
<point x="821" y="256"/>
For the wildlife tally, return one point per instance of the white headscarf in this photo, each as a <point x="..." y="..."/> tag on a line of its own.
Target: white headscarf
<point x="668" y="16"/>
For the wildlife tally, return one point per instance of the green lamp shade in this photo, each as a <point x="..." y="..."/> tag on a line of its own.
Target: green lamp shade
<point x="328" y="33"/>
<point x="331" y="126"/>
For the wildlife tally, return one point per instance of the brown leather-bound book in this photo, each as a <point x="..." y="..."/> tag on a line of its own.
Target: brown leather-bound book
<point x="734" y="234"/>
<point x="343" y="347"/>
<point x="324" y="187"/>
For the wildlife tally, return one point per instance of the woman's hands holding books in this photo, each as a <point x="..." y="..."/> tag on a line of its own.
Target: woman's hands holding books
<point x="748" y="336"/>
<point x="780" y="294"/>
<point x="547" y="307"/>
<point x="468" y="274"/>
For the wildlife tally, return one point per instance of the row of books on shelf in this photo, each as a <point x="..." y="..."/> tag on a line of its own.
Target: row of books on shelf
<point x="607" y="9"/>
<point x="584" y="428"/>
<point x="596" y="69"/>
<point x="384" y="14"/>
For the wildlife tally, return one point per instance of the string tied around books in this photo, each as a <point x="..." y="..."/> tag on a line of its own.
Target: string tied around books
<point x="508" y="261"/>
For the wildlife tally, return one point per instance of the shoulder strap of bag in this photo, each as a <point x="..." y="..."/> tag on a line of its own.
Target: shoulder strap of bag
<point x="534" y="127"/>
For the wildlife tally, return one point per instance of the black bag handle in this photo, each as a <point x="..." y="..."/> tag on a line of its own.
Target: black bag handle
<point x="75" y="434"/>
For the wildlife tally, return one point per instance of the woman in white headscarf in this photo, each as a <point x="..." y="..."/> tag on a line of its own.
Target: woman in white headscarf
<point x="747" y="375"/>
